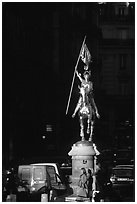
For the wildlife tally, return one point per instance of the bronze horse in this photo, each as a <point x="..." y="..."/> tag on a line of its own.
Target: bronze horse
<point x="86" y="111"/>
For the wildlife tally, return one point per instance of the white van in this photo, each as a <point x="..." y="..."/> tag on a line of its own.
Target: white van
<point x="33" y="178"/>
<point x="40" y="177"/>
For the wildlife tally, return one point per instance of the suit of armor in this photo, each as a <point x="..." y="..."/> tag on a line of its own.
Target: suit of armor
<point x="86" y="90"/>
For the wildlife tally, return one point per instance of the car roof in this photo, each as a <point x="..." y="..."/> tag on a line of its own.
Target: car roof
<point x="29" y="166"/>
<point x="25" y="165"/>
<point x="53" y="164"/>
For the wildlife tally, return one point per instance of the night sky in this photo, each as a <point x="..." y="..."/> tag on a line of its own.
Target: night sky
<point x="39" y="53"/>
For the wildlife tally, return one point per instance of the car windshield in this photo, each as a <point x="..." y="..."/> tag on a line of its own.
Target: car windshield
<point x="38" y="175"/>
<point x="123" y="172"/>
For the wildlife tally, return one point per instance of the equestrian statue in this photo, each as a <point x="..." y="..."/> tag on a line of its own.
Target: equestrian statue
<point x="86" y="107"/>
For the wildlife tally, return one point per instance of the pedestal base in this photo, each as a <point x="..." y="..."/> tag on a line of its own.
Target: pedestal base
<point x="82" y="154"/>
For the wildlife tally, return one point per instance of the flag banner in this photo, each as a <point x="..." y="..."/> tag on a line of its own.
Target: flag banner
<point x="85" y="55"/>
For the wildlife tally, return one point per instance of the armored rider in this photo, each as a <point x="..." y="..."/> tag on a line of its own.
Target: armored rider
<point x="87" y="88"/>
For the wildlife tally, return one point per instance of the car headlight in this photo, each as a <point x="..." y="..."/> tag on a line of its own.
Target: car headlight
<point x="112" y="179"/>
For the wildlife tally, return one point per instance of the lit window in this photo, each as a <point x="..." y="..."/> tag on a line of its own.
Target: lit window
<point x="49" y="128"/>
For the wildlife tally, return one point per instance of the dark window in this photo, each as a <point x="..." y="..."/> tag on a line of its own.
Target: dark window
<point x="123" y="58"/>
<point x="52" y="173"/>
<point x="123" y="34"/>
<point x="121" y="11"/>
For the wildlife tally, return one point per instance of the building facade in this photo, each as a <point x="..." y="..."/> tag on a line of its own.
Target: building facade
<point x="117" y="75"/>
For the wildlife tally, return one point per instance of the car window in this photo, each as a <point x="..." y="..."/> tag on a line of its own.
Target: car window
<point x="25" y="174"/>
<point x="52" y="173"/>
<point x="38" y="174"/>
<point x="123" y="172"/>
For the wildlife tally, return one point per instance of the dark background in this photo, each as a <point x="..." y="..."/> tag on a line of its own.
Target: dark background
<point x="40" y="47"/>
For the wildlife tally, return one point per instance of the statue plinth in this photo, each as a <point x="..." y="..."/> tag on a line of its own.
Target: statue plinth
<point x="82" y="153"/>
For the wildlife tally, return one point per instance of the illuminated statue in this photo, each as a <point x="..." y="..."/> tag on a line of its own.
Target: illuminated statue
<point x="86" y="106"/>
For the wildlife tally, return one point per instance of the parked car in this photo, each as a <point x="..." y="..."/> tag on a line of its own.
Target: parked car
<point x="56" y="176"/>
<point x="36" y="179"/>
<point x="122" y="179"/>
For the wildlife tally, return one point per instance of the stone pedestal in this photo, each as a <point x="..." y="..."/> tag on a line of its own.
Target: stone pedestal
<point x="82" y="154"/>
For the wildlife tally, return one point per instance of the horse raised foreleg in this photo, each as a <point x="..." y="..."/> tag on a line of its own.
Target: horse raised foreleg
<point x="88" y="127"/>
<point x="81" y="129"/>
<point x="91" y="131"/>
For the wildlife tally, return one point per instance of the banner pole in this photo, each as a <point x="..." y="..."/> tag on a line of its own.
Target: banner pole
<point x="74" y="75"/>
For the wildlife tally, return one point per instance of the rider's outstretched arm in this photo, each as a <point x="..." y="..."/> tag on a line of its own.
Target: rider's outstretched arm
<point x="79" y="76"/>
